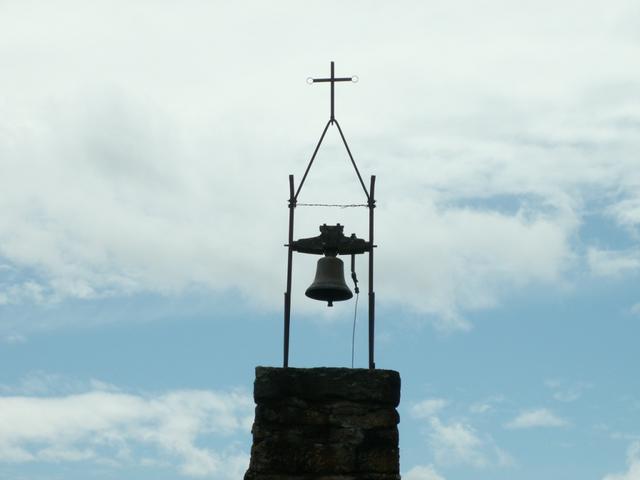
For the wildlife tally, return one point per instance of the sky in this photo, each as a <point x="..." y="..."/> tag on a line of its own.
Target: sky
<point x="144" y="154"/>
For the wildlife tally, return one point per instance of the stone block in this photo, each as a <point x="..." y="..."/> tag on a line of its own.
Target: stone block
<point x="320" y="384"/>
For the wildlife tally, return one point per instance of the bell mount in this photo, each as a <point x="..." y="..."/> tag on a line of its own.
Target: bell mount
<point x="331" y="241"/>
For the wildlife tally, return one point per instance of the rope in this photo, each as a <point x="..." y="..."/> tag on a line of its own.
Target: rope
<point x="353" y="333"/>
<point x="341" y="205"/>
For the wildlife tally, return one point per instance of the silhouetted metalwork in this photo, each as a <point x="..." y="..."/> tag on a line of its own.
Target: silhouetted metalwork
<point x="332" y="241"/>
<point x="329" y="284"/>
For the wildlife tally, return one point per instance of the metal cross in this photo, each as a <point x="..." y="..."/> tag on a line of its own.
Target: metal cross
<point x="333" y="81"/>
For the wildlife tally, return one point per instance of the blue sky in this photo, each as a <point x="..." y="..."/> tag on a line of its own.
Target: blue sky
<point x="144" y="154"/>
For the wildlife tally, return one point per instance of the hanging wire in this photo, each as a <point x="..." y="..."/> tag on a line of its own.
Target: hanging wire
<point x="353" y="333"/>
<point x="340" y="205"/>
<point x="356" y="289"/>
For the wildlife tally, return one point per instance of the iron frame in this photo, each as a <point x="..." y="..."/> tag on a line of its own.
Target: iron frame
<point x="293" y="200"/>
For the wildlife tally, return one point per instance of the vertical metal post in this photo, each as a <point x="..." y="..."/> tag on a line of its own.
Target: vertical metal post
<point x="372" y="295"/>
<point x="332" y="91"/>
<point x="287" y="295"/>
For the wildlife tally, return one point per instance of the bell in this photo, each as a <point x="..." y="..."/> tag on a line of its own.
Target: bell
<point x="329" y="285"/>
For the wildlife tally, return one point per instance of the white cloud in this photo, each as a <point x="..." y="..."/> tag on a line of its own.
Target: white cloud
<point x="108" y="427"/>
<point x="624" y="436"/>
<point x="486" y="405"/>
<point x="567" y="391"/>
<point x="458" y="443"/>
<point x="421" y="472"/>
<point x="627" y="212"/>
<point x="570" y="395"/>
<point x="144" y="169"/>
<point x="480" y="407"/>
<point x="635" y="309"/>
<point x="536" y="418"/>
<point x="469" y="256"/>
<point x="41" y="383"/>
<point x="613" y="262"/>
<point x="427" y="408"/>
<point x="633" y="464"/>
<point x="504" y="458"/>
<point x="28" y="291"/>
<point x="13" y="338"/>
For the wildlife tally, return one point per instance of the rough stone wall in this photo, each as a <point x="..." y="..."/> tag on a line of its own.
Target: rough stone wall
<point x="325" y="423"/>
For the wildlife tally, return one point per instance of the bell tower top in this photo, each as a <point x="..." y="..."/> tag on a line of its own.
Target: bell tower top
<point x="331" y="242"/>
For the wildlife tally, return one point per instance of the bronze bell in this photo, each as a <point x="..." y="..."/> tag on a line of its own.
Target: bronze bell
<point x="329" y="284"/>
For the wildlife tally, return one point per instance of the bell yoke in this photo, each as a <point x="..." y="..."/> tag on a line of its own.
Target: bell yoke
<point x="329" y="284"/>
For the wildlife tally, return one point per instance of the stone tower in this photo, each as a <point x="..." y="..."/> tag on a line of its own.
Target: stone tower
<point x="325" y="424"/>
